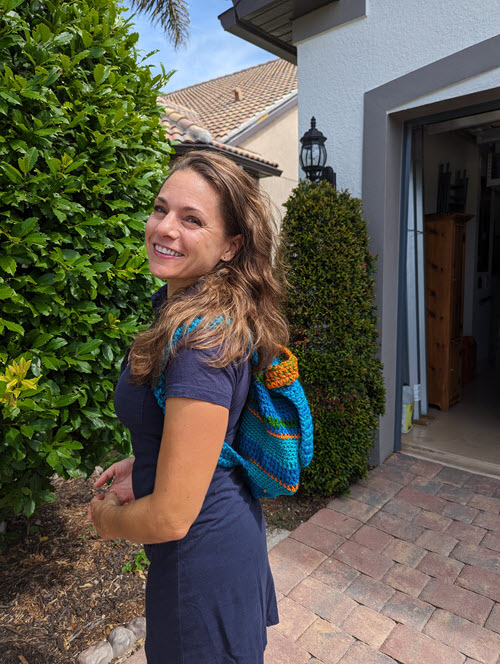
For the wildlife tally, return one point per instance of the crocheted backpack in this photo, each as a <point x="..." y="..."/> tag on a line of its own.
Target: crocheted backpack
<point x="275" y="435"/>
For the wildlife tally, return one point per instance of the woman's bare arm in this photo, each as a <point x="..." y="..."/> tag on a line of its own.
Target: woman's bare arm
<point x="193" y="434"/>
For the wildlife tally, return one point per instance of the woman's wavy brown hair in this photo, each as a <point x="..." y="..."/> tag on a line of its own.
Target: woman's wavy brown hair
<point x="245" y="295"/>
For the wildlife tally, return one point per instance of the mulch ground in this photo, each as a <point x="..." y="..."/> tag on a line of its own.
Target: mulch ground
<point x="62" y="588"/>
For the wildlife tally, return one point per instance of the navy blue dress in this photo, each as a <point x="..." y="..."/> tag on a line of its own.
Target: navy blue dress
<point x="210" y="595"/>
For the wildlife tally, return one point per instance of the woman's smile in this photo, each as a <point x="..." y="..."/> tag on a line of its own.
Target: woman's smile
<point x="165" y="252"/>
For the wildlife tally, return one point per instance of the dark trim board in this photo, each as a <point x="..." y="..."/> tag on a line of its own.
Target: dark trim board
<point x="245" y="30"/>
<point x="327" y="18"/>
<point x="300" y="19"/>
<point x="256" y="168"/>
<point x="383" y="134"/>
<point x="299" y="7"/>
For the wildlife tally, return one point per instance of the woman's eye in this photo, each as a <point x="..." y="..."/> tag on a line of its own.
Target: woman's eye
<point x="193" y="220"/>
<point x="159" y="209"/>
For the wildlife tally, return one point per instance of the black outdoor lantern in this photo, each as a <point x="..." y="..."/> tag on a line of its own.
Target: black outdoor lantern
<point x="313" y="156"/>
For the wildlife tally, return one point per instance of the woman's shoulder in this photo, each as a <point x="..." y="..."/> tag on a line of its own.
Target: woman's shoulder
<point x="201" y="360"/>
<point x="189" y="374"/>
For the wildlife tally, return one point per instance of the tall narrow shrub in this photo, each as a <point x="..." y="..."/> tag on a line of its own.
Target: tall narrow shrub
<point x="334" y="330"/>
<point x="82" y="154"/>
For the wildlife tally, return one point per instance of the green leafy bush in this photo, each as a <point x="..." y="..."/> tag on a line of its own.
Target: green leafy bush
<point x="334" y="330"/>
<point x="82" y="155"/>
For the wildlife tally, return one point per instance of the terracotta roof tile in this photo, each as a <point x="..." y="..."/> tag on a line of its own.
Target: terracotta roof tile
<point x="180" y="127"/>
<point x="222" y="104"/>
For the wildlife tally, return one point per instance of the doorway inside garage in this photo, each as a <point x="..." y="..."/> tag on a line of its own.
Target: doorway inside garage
<point x="451" y="346"/>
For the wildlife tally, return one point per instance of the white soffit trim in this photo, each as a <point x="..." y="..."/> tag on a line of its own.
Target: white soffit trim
<point x="463" y="123"/>
<point x="245" y="129"/>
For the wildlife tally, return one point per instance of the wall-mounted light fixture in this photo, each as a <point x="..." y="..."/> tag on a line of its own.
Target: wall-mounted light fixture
<point x="313" y="156"/>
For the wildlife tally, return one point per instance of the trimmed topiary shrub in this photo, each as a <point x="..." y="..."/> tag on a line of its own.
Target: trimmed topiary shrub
<point x="82" y="155"/>
<point x="334" y="331"/>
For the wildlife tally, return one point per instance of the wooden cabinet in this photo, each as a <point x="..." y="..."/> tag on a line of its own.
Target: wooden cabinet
<point x="444" y="302"/>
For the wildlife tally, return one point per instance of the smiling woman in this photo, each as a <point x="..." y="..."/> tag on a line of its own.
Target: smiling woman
<point x="186" y="233"/>
<point x="210" y="593"/>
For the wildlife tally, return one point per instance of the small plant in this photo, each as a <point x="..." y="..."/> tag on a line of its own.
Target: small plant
<point x="17" y="383"/>
<point x="22" y="398"/>
<point x="140" y="563"/>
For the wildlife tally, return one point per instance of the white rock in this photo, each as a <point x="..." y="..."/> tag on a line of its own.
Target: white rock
<point x="101" y="653"/>
<point x="121" y="640"/>
<point x="138" y="626"/>
<point x="275" y="535"/>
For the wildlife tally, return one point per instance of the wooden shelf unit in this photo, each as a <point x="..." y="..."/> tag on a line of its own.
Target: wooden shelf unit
<point x="444" y="240"/>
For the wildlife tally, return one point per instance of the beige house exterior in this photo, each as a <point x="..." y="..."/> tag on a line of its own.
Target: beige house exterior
<point x="278" y="139"/>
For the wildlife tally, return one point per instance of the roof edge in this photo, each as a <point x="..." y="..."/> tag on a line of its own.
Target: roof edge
<point x="260" y="120"/>
<point x="250" y="33"/>
<point x="258" y="168"/>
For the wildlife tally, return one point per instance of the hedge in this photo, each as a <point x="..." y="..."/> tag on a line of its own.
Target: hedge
<point x="82" y="155"/>
<point x="334" y="331"/>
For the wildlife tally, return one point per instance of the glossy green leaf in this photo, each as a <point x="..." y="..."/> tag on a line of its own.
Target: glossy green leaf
<point x="53" y="458"/>
<point x="12" y="173"/>
<point x="23" y="228"/>
<point x="54" y="344"/>
<point x="6" y="291"/>
<point x="13" y="327"/>
<point x="8" y="264"/>
<point x="65" y="400"/>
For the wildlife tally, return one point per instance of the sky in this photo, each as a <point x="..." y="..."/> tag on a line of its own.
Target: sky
<point x="210" y="52"/>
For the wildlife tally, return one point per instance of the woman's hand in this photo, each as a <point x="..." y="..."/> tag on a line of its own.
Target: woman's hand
<point x="100" y="512"/>
<point x="121" y="472"/>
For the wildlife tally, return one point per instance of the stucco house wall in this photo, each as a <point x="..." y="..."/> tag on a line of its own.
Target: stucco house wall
<point x="337" y="67"/>
<point x="278" y="141"/>
<point x="353" y="79"/>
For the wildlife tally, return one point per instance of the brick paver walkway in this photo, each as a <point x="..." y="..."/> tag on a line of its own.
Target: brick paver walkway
<point x="406" y="569"/>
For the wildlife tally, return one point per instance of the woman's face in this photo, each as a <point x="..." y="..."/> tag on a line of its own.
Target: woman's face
<point x="185" y="233"/>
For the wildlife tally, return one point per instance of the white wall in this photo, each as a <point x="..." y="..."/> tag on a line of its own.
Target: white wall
<point x="336" y="68"/>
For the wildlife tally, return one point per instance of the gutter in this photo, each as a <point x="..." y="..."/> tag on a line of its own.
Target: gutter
<point x="231" y="22"/>
<point x="256" y="168"/>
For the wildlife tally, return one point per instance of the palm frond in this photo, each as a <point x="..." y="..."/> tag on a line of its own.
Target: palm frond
<point x="172" y="15"/>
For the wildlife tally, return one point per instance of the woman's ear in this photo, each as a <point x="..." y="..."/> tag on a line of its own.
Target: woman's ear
<point x="234" y="246"/>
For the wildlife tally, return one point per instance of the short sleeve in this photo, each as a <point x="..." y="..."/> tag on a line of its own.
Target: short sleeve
<point x="188" y="375"/>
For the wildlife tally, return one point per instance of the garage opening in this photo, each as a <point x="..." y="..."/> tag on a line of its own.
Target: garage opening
<point x="451" y="364"/>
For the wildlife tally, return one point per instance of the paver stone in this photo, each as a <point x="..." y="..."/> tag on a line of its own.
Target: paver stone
<point x="411" y="647"/>
<point x="472" y="640"/>
<point x="326" y="602"/>
<point x="368" y="626"/>
<point x="325" y="641"/>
